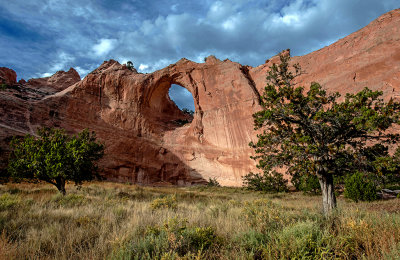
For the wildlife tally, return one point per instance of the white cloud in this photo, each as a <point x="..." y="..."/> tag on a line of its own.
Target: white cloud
<point x="143" y="67"/>
<point x="47" y="74"/>
<point x="229" y="24"/>
<point x="83" y="72"/>
<point x="63" y="61"/>
<point x="104" y="46"/>
<point x="219" y="10"/>
<point x="290" y="19"/>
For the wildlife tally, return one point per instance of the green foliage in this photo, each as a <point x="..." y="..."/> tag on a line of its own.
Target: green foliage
<point x="306" y="183"/>
<point x="70" y="200"/>
<point x="129" y="65"/>
<point x="268" y="182"/>
<point x="165" y="202"/>
<point x="3" y="86"/>
<point x="386" y="168"/>
<point x="182" y="122"/>
<point x="302" y="240"/>
<point x="310" y="132"/>
<point x="177" y="238"/>
<point x="55" y="157"/>
<point x="251" y="241"/>
<point x="212" y="182"/>
<point x="8" y="201"/>
<point x="188" y="111"/>
<point x="358" y="187"/>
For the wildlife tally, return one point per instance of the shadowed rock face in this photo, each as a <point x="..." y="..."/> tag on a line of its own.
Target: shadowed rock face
<point x="7" y="76"/>
<point x="140" y="126"/>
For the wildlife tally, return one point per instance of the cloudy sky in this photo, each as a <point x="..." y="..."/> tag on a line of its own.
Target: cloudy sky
<point x="40" y="37"/>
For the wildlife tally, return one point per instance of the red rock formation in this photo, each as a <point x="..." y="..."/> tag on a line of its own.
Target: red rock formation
<point x="59" y="81"/>
<point x="132" y="113"/>
<point x="7" y="76"/>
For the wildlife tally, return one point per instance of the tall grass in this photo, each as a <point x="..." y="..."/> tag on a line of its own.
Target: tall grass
<point x="117" y="221"/>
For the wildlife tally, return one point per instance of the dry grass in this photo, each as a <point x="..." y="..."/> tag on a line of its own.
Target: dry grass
<point x="117" y="221"/>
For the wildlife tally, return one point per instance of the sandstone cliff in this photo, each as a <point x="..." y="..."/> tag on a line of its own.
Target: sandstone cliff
<point x="145" y="143"/>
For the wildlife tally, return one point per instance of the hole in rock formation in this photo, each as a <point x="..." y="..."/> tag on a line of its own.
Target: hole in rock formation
<point x="164" y="112"/>
<point x="183" y="99"/>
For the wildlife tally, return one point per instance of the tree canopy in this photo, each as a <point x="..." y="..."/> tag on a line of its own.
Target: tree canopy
<point x="313" y="132"/>
<point x="55" y="157"/>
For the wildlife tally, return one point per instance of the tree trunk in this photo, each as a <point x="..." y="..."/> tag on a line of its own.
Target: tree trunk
<point x="328" y="193"/>
<point x="61" y="185"/>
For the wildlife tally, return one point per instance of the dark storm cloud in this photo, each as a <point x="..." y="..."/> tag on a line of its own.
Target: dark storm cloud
<point x="40" y="37"/>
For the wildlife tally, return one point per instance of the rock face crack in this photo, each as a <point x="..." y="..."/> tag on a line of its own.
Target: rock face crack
<point x="199" y="122"/>
<point x="252" y="84"/>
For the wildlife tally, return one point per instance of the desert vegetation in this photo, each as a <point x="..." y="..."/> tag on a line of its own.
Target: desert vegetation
<point x="313" y="132"/>
<point x="3" y="86"/>
<point x="55" y="157"/>
<point x="122" y="221"/>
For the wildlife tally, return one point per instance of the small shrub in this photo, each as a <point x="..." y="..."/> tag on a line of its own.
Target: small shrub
<point x="212" y="182"/>
<point x="8" y="201"/>
<point x="252" y="240"/>
<point x="3" y="86"/>
<point x="219" y="209"/>
<point x="264" y="215"/>
<point x="176" y="237"/>
<point x="120" y="213"/>
<point x="14" y="191"/>
<point x="70" y="200"/>
<point x="188" y="111"/>
<point x="129" y="65"/>
<point x="166" y="202"/>
<point x="357" y="187"/>
<point x="306" y="183"/>
<point x="200" y="238"/>
<point x="302" y="240"/>
<point x="273" y="182"/>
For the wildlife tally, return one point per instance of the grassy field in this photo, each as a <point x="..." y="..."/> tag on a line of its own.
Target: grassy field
<point x="118" y="221"/>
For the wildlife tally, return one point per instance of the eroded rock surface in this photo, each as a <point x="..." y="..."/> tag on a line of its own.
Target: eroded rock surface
<point x="145" y="141"/>
<point x="7" y="76"/>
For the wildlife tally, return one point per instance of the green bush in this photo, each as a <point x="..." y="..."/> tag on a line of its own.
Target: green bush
<point x="271" y="182"/>
<point x="301" y="240"/>
<point x="357" y="187"/>
<point x="3" y="86"/>
<point x="8" y="201"/>
<point x="188" y="111"/>
<point x="252" y="241"/>
<point x="165" y="202"/>
<point x="70" y="200"/>
<point x="306" y="183"/>
<point x="176" y="238"/>
<point x="212" y="182"/>
<point x="200" y="238"/>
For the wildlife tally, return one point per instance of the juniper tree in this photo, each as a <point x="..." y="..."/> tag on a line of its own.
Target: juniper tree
<point x="55" y="157"/>
<point x="312" y="132"/>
